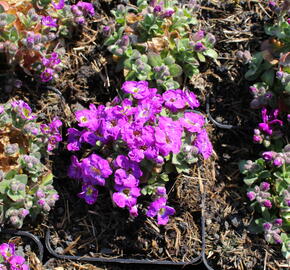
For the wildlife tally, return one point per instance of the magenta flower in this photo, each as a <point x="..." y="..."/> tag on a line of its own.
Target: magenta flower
<point x="139" y="90"/>
<point x="23" y="109"/>
<point x="251" y="195"/>
<point x="126" y="197"/>
<point x="49" y="21"/>
<point x="47" y="75"/>
<point x="96" y="169"/>
<point x="267" y="204"/>
<point x="89" y="193"/>
<point x="203" y="144"/>
<point x="174" y="100"/>
<point x="270" y="121"/>
<point x="191" y="99"/>
<point x="7" y="250"/>
<point x="18" y="263"/>
<point x="75" y="169"/>
<point x="160" y="209"/>
<point x="168" y="136"/>
<point x="87" y="8"/>
<point x="59" y="5"/>
<point x="1" y="109"/>
<point x="199" y="47"/>
<point x="199" y="35"/>
<point x="193" y="122"/>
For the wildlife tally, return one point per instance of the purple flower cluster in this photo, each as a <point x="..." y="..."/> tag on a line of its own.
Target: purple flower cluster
<point x="278" y="159"/>
<point x="10" y="259"/>
<point x="270" y="127"/>
<point x="144" y="127"/>
<point x="159" y="208"/>
<point x="261" y="195"/>
<point x="272" y="231"/>
<point x="23" y="109"/>
<point x="81" y="10"/>
<point x="45" y="198"/>
<point x="53" y="133"/>
<point x="51" y="65"/>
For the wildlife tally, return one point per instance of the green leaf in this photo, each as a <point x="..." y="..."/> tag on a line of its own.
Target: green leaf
<point x="10" y="18"/>
<point x="268" y="77"/>
<point x="4" y="185"/>
<point x="175" y="70"/>
<point x="21" y="178"/>
<point x="190" y="70"/>
<point x="201" y="57"/>
<point x="16" y="197"/>
<point x="250" y="181"/>
<point x="154" y="59"/>
<point x="169" y="60"/>
<point x="211" y="53"/>
<point x="2" y="10"/>
<point x="10" y="174"/>
<point x="13" y="35"/>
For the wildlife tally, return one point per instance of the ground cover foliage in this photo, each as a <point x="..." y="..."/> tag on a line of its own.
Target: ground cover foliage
<point x="90" y="76"/>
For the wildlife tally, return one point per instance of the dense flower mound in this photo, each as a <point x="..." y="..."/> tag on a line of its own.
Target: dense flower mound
<point x="31" y="33"/>
<point x="135" y="143"/>
<point x="9" y="260"/>
<point x="268" y="178"/>
<point x="156" y="41"/>
<point x="25" y="182"/>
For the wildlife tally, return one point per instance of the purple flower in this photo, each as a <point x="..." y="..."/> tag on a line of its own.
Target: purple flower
<point x="47" y="75"/>
<point x="174" y="100"/>
<point x="157" y="9"/>
<point x="251" y="195"/>
<point x="199" y="47"/>
<point x="52" y="141"/>
<point x="198" y="36"/>
<point x="139" y="90"/>
<point x="49" y="21"/>
<point x="278" y="161"/>
<point x="278" y="222"/>
<point x="75" y="169"/>
<point x="269" y="155"/>
<point x="96" y="169"/>
<point x="160" y="209"/>
<point x="161" y="191"/>
<point x="168" y="13"/>
<point x="87" y="8"/>
<point x="203" y="144"/>
<point x="89" y="193"/>
<point x="18" y="263"/>
<point x="1" y="109"/>
<point x="191" y="99"/>
<point x="267" y="226"/>
<point x="168" y="136"/>
<point x="269" y="121"/>
<point x="267" y="204"/>
<point x="60" y="4"/>
<point x="126" y="197"/>
<point x="193" y="122"/>
<point x="7" y="250"/>
<point x="264" y="186"/>
<point x="23" y="109"/>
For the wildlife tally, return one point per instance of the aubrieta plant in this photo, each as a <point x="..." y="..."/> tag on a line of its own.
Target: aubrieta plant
<point x="157" y="42"/>
<point x="9" y="260"/>
<point x="135" y="143"/>
<point x="25" y="182"/>
<point x="268" y="178"/>
<point x="31" y="32"/>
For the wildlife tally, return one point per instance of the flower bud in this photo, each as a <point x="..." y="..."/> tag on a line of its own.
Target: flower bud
<point x="15" y="221"/>
<point x="267" y="226"/>
<point x="267" y="204"/>
<point x="278" y="222"/>
<point x="251" y="195"/>
<point x="210" y="38"/>
<point x="80" y="20"/>
<point x="23" y="212"/>
<point x="269" y="155"/>
<point x="264" y="186"/>
<point x="40" y="194"/>
<point x="198" y="36"/>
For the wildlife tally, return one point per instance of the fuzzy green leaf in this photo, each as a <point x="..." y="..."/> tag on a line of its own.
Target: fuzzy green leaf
<point x="175" y="70"/>
<point x="211" y="53"/>
<point x="154" y="60"/>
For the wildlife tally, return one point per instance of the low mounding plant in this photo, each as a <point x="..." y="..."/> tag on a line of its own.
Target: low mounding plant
<point x="268" y="178"/>
<point x="9" y="260"/>
<point x="31" y="32"/>
<point x="25" y="182"/>
<point x="135" y="143"/>
<point x="156" y="41"/>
